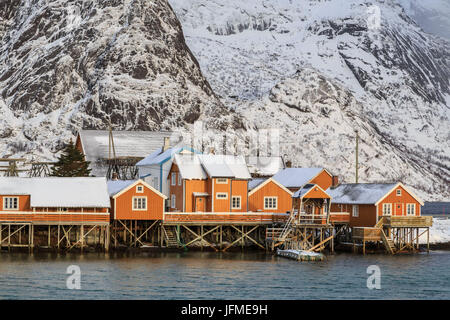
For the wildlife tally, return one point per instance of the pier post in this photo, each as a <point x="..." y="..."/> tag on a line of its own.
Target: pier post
<point x="107" y="238"/>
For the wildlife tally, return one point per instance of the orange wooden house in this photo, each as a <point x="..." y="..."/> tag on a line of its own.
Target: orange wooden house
<point x="367" y="202"/>
<point x="268" y="195"/>
<point x="135" y="200"/>
<point x="208" y="183"/>
<point x="296" y="178"/>
<point x="54" y="200"/>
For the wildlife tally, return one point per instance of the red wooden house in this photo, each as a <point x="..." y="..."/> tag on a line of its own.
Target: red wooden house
<point x="296" y="178"/>
<point x="268" y="195"/>
<point x="367" y="202"/>
<point x="135" y="200"/>
<point x="208" y="183"/>
<point x="54" y="200"/>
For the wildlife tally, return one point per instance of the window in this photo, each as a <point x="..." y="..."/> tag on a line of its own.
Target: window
<point x="411" y="209"/>
<point x="399" y="192"/>
<point x="270" y="203"/>
<point x="139" y="203"/>
<point x="174" y="178"/>
<point x="139" y="189"/>
<point x="179" y="179"/>
<point x="236" y="202"/>
<point x="221" y="180"/>
<point x="11" y="203"/>
<point x="387" y="209"/>
<point x="221" y="195"/>
<point x="173" y="201"/>
<point x="355" y="210"/>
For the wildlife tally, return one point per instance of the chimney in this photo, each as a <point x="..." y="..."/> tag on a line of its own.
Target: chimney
<point x="334" y="181"/>
<point x="288" y="164"/>
<point x="166" y="145"/>
<point x="114" y="177"/>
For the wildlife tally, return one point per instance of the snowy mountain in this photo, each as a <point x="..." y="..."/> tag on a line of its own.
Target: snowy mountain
<point x="321" y="69"/>
<point x="66" y="65"/>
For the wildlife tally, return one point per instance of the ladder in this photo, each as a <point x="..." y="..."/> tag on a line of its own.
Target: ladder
<point x="171" y="238"/>
<point x="287" y="228"/>
<point x="388" y="243"/>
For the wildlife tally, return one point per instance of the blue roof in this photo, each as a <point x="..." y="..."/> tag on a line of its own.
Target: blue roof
<point x="252" y="184"/>
<point x="115" y="186"/>
<point x="296" y="177"/>
<point x="302" y="191"/>
<point x="360" y="193"/>
<point x="158" y="157"/>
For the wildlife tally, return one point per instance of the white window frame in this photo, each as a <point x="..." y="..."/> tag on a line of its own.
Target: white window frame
<point x="221" y="180"/>
<point x="173" y="201"/>
<point x="174" y="179"/>
<point x="232" y="202"/>
<point x="398" y="192"/>
<point x="355" y="213"/>
<point x="6" y="204"/>
<point x="413" y="211"/>
<point x="137" y="205"/>
<point x="221" y="193"/>
<point x="270" y="205"/>
<point x="139" y="189"/>
<point x="179" y="179"/>
<point x="387" y="206"/>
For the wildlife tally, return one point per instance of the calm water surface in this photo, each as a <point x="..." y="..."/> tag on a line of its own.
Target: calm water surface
<point x="199" y="275"/>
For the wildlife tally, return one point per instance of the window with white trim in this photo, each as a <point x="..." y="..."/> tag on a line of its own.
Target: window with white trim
<point x="174" y="179"/>
<point x="387" y="209"/>
<point x="173" y="199"/>
<point x="355" y="210"/>
<point x="221" y="180"/>
<point x="221" y="195"/>
<point x="139" y="189"/>
<point x="399" y="192"/>
<point x="179" y="179"/>
<point x="236" y="202"/>
<point x="139" y="203"/>
<point x="411" y="209"/>
<point x="10" y="203"/>
<point x="270" y="203"/>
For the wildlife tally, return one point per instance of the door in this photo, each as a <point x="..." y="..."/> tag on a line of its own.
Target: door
<point x="200" y="204"/>
<point x="398" y="209"/>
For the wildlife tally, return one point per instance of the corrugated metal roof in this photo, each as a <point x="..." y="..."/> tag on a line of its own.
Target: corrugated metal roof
<point x="296" y="177"/>
<point x="54" y="192"/>
<point x="359" y="193"/>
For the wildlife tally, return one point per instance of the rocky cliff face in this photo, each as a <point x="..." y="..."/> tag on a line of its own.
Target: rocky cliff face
<point x="285" y="59"/>
<point x="67" y="65"/>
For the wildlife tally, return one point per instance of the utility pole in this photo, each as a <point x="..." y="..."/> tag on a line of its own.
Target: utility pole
<point x="356" y="152"/>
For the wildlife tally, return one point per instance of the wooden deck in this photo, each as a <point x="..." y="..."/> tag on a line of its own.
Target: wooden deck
<point x="366" y="234"/>
<point x="223" y="218"/>
<point x="407" y="222"/>
<point x="339" y="217"/>
<point x="48" y="218"/>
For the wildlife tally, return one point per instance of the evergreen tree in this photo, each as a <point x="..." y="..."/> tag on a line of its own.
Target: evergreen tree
<point x="71" y="163"/>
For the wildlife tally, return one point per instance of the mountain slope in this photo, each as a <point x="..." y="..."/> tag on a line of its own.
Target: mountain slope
<point x="397" y="73"/>
<point x="70" y="65"/>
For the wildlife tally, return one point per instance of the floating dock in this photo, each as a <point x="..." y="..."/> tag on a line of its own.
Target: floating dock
<point x="301" y="255"/>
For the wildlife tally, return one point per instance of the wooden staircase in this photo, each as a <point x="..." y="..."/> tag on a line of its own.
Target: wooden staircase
<point x="171" y="238"/>
<point x="387" y="241"/>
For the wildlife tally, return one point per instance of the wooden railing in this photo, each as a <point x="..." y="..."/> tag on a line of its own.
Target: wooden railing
<point x="367" y="234"/>
<point x="54" y="217"/>
<point x="342" y="217"/>
<point x="224" y="217"/>
<point x="405" y="221"/>
<point x="313" y="219"/>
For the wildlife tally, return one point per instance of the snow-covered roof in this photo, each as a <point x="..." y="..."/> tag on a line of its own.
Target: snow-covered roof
<point x="200" y="166"/>
<point x="264" y="166"/>
<point x="126" y="144"/>
<point x="225" y="166"/>
<point x="360" y="193"/>
<point x="302" y="191"/>
<point x="296" y="177"/>
<point x="252" y="184"/>
<point x="115" y="186"/>
<point x="54" y="192"/>
<point x="158" y="156"/>
<point x="190" y="166"/>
